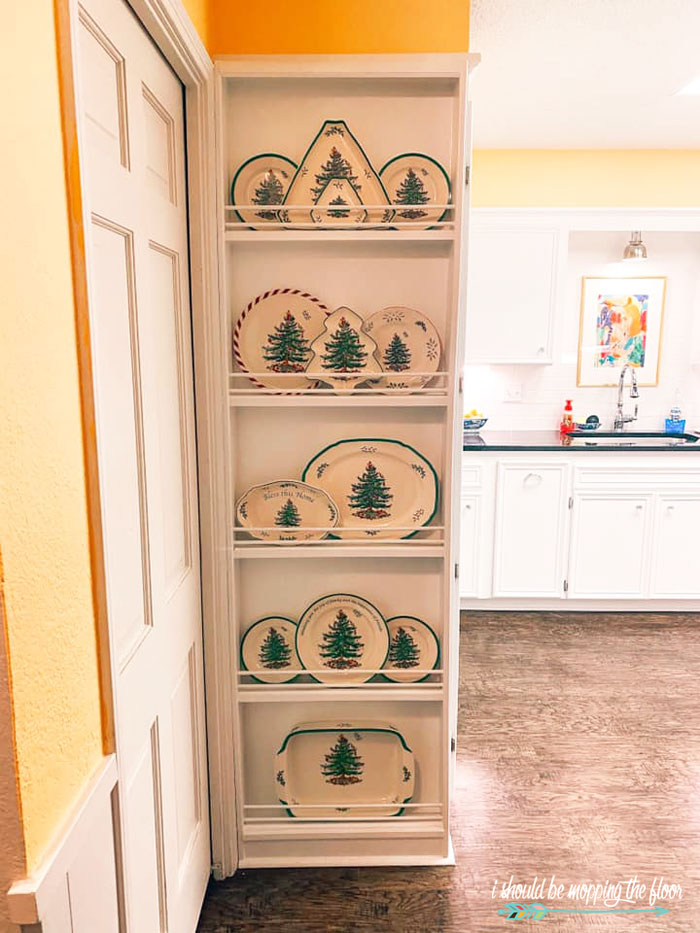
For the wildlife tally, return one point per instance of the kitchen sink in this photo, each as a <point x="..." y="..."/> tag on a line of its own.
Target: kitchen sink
<point x="630" y="439"/>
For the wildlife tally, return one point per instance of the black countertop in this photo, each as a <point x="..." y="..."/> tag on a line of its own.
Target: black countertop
<point x="553" y="440"/>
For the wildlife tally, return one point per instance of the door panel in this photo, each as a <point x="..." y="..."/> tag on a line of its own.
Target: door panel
<point x="676" y="568"/>
<point x="141" y="332"/>
<point x="469" y="545"/>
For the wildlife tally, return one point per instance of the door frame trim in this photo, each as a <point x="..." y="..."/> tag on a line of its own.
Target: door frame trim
<point x="170" y="28"/>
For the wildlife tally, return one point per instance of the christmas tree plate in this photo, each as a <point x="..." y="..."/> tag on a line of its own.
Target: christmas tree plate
<point x="343" y="353"/>
<point x="344" y="769"/>
<point x="383" y="488"/>
<point x="287" y="512"/>
<point x="268" y="649"/>
<point x="415" y="181"/>
<point x="274" y="334"/>
<point x="339" y="196"/>
<point x="262" y="180"/>
<point x="406" y="340"/>
<point x="335" y="154"/>
<point x="413" y="645"/>
<point x="340" y="638"/>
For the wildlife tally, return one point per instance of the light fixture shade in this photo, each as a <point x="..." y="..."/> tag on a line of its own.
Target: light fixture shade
<point x="635" y="251"/>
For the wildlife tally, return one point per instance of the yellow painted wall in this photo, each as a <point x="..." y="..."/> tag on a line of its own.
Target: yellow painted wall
<point x="586" y="178"/>
<point x="198" y="11"/>
<point x="315" y="26"/>
<point x="43" y="521"/>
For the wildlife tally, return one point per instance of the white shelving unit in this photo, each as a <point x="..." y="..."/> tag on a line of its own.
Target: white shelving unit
<point x="393" y="104"/>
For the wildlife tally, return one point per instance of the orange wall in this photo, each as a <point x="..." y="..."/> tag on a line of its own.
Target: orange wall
<point x="198" y="11"/>
<point x="316" y="26"/>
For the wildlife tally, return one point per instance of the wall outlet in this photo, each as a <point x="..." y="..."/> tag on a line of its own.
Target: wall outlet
<point x="514" y="392"/>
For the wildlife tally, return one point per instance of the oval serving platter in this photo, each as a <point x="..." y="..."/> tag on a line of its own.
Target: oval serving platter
<point x="344" y="769"/>
<point x="406" y="341"/>
<point x="287" y="512"/>
<point x="274" y="334"/>
<point x="413" y="645"/>
<point x="262" y="180"/>
<point x="413" y="181"/>
<point x="340" y="637"/>
<point x="383" y="488"/>
<point x="268" y="650"/>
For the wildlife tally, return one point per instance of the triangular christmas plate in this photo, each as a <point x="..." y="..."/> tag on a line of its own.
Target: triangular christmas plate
<point x="339" y="195"/>
<point x="344" y="356"/>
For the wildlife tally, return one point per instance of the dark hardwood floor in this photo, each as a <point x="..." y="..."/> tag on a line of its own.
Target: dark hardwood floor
<point x="578" y="756"/>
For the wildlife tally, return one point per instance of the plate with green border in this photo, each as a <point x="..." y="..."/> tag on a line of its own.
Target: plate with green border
<point x="268" y="651"/>
<point x="262" y="180"/>
<point x="412" y="645"/>
<point x="383" y="488"/>
<point x="413" y="181"/>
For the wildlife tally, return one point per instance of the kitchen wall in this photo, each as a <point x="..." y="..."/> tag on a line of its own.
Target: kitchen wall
<point x="545" y="388"/>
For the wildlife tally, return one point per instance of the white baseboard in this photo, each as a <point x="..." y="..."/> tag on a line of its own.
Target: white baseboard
<point x="75" y="887"/>
<point x="580" y="605"/>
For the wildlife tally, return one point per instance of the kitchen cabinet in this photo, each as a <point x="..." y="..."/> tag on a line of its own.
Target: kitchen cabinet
<point x="470" y="545"/>
<point x="531" y="522"/>
<point x="676" y="553"/>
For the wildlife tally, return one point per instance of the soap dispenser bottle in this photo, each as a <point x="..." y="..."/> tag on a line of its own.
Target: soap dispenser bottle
<point x="567" y="421"/>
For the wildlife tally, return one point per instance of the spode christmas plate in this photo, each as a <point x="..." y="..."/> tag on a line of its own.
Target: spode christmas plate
<point x="341" y="637"/>
<point x="340" y="195"/>
<point x="413" y="645"/>
<point x="343" y="352"/>
<point x="274" y="334"/>
<point x="262" y="180"/>
<point x="334" y="154"/>
<point x="383" y="488"/>
<point x="268" y="648"/>
<point x="413" y="181"/>
<point x="406" y="340"/>
<point x="344" y="769"/>
<point x="286" y="512"/>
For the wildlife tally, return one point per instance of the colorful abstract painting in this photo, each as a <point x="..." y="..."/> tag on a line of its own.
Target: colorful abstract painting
<point x="621" y="324"/>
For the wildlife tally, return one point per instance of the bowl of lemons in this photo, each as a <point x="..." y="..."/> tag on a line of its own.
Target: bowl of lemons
<point x="474" y="420"/>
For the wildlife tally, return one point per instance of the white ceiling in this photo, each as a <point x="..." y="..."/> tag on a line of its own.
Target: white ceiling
<point x="585" y="74"/>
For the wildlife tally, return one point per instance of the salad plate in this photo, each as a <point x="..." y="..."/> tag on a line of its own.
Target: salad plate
<point x="383" y="488"/>
<point x="335" y="154"/>
<point x="274" y="334"/>
<point x="340" y="637"/>
<point x="268" y="648"/>
<point x="344" y="769"/>
<point x="287" y="512"/>
<point x="343" y="352"/>
<point x="406" y="340"/>
<point x="262" y="180"/>
<point x="413" y="645"/>
<point x="414" y="181"/>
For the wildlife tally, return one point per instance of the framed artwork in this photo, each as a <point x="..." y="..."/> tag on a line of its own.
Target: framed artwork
<point x="621" y="322"/>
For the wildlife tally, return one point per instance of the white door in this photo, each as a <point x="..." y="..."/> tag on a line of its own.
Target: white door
<point x="676" y="557"/>
<point x="531" y="526"/>
<point x="469" y="545"/>
<point x="133" y="158"/>
<point x="609" y="546"/>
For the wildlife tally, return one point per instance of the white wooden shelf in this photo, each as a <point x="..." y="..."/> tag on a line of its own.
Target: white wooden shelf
<point x="407" y="548"/>
<point x="312" y="693"/>
<point x="257" y="400"/>
<point x="338" y="236"/>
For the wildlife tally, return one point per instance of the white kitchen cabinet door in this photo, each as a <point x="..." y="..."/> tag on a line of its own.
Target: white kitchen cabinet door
<point x="609" y="546"/>
<point x="470" y="546"/>
<point x="511" y="295"/>
<point x="531" y="526"/>
<point x="676" y="552"/>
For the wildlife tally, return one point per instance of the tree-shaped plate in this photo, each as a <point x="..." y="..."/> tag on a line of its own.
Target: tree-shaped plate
<point x="342" y="639"/>
<point x="414" y="181"/>
<point x="268" y="649"/>
<point x="274" y="334"/>
<point x="287" y="512"/>
<point x="413" y="646"/>
<point x="263" y="181"/>
<point x="344" y="769"/>
<point x="383" y="488"/>
<point x="406" y="341"/>
<point x="344" y="353"/>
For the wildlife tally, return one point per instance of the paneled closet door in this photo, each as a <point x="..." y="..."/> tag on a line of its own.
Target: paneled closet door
<point x="133" y="152"/>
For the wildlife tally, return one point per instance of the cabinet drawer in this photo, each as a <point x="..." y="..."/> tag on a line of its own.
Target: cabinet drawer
<point x="471" y="476"/>
<point x="640" y="477"/>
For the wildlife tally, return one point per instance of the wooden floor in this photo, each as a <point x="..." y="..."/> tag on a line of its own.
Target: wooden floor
<point x="579" y="757"/>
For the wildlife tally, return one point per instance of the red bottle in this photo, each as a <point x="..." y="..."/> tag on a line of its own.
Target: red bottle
<point x="567" y="422"/>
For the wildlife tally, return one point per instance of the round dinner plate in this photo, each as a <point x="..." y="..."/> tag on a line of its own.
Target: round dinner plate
<point x="413" y="182"/>
<point x="262" y="180"/>
<point x="340" y="637"/>
<point x="274" y="334"/>
<point x="269" y="649"/>
<point x="406" y="341"/>
<point x="413" y="645"/>
<point x="383" y="488"/>
<point x="281" y="512"/>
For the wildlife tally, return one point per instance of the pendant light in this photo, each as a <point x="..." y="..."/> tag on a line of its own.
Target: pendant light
<point x="635" y="251"/>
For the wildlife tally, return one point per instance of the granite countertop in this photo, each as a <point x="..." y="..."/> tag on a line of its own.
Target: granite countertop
<point x="553" y="440"/>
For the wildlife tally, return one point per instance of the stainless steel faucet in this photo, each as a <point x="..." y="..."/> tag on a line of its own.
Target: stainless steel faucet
<point x="621" y="419"/>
